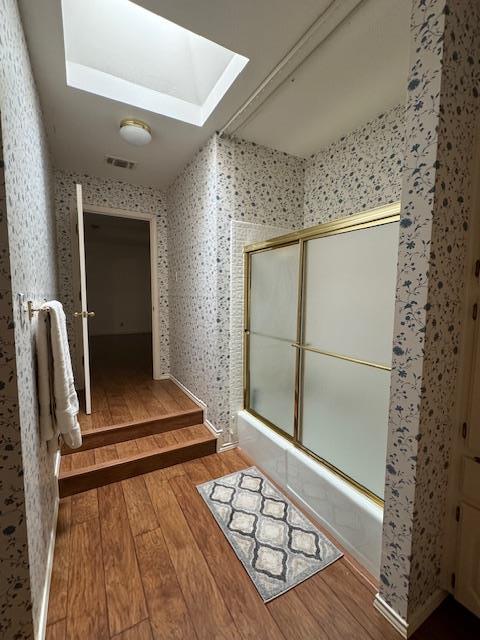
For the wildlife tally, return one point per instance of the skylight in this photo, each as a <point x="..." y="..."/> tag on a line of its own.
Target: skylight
<point x="119" y="50"/>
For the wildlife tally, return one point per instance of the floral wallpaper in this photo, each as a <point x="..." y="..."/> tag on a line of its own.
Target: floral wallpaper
<point x="115" y="194"/>
<point x="15" y="595"/>
<point x="192" y="243"/>
<point x="361" y="170"/>
<point x="265" y="188"/>
<point x="443" y="87"/>
<point x="229" y="179"/>
<point x="27" y="264"/>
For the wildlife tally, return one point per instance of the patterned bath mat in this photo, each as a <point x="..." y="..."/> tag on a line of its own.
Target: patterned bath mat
<point x="276" y="544"/>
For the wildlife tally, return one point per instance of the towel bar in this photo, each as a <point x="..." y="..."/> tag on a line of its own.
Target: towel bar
<point x="31" y="309"/>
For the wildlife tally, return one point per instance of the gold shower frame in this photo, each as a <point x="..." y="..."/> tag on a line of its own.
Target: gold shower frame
<point x="371" y="218"/>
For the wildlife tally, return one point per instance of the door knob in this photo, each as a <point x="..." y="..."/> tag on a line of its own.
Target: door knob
<point x="84" y="314"/>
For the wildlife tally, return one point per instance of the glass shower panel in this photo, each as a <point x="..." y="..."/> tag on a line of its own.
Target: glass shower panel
<point x="272" y="380"/>
<point x="350" y="292"/>
<point x="345" y="417"/>
<point x="274" y="278"/>
<point x="274" y="291"/>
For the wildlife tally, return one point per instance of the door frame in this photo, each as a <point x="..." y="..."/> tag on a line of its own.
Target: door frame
<point x="151" y="218"/>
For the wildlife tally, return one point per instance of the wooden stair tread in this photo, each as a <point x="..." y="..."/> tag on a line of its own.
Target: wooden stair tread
<point x="135" y="429"/>
<point x="140" y="421"/>
<point x="184" y="436"/>
<point x="85" y="470"/>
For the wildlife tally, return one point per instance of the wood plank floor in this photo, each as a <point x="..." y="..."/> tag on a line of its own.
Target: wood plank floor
<point x="143" y="559"/>
<point x="122" y="386"/>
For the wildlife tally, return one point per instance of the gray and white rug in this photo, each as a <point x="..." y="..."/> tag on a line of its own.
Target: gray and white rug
<point x="276" y="544"/>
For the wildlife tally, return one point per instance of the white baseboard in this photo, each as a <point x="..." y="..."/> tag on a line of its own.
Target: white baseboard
<point x="407" y="629"/>
<point x="392" y="616"/>
<point x="191" y="395"/>
<point x="228" y="445"/>
<point x="216" y="432"/>
<point x="42" y="619"/>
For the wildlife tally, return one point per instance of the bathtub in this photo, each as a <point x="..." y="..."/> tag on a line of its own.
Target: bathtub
<point x="352" y="518"/>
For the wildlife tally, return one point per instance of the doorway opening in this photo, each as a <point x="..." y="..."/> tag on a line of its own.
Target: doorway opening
<point x="117" y="261"/>
<point x="117" y="332"/>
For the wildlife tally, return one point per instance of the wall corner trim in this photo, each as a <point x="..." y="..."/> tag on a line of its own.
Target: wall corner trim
<point x="392" y="616"/>
<point x="406" y="629"/>
<point x="228" y="445"/>
<point x="42" y="619"/>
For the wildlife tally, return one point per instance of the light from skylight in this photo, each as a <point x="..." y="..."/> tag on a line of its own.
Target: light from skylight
<point x="119" y="50"/>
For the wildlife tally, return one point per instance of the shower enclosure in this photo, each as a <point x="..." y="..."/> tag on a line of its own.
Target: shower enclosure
<point x="319" y="308"/>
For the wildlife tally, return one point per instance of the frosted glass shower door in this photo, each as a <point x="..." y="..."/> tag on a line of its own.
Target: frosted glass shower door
<point x="274" y="276"/>
<point x="350" y="281"/>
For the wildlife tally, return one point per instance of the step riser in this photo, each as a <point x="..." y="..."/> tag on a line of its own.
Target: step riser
<point x="93" y="478"/>
<point x="135" y="430"/>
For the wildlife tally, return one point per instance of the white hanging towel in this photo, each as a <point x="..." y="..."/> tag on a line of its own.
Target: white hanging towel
<point x="56" y="390"/>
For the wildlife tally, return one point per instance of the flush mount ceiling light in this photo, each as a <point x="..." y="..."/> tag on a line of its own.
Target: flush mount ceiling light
<point x="135" y="132"/>
<point x="119" y="50"/>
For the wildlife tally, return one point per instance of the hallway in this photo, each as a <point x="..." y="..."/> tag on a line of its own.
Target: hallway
<point x="239" y="235"/>
<point x="123" y="389"/>
<point x="144" y="559"/>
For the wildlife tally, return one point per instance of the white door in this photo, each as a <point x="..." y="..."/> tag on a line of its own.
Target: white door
<point x="82" y="314"/>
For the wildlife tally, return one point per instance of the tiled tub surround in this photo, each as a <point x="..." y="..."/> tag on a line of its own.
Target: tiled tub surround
<point x="27" y="264"/>
<point x="113" y="194"/>
<point x="352" y="518"/>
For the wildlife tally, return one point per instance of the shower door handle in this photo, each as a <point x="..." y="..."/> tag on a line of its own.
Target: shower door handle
<point x="84" y="314"/>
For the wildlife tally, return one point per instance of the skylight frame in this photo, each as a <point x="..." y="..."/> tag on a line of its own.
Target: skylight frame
<point x="98" y="82"/>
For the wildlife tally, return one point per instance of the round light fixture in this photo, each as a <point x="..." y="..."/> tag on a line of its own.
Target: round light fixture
<point x="135" y="132"/>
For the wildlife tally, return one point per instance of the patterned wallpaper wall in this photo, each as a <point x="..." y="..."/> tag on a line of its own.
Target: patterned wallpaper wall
<point x="227" y="180"/>
<point x="192" y="243"/>
<point x="27" y="484"/>
<point x="114" y="194"/>
<point x="263" y="187"/>
<point x="361" y="170"/>
<point x="443" y="89"/>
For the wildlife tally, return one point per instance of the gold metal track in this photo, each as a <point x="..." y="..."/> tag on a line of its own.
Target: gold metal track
<point x="381" y="215"/>
<point x="332" y="354"/>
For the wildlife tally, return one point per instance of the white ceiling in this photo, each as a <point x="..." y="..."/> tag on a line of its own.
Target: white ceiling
<point x="358" y="72"/>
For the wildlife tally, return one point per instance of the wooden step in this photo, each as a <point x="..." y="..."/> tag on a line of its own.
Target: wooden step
<point x="134" y="429"/>
<point x="94" y="468"/>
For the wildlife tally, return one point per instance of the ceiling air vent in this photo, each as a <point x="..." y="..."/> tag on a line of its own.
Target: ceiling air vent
<point x="120" y="162"/>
